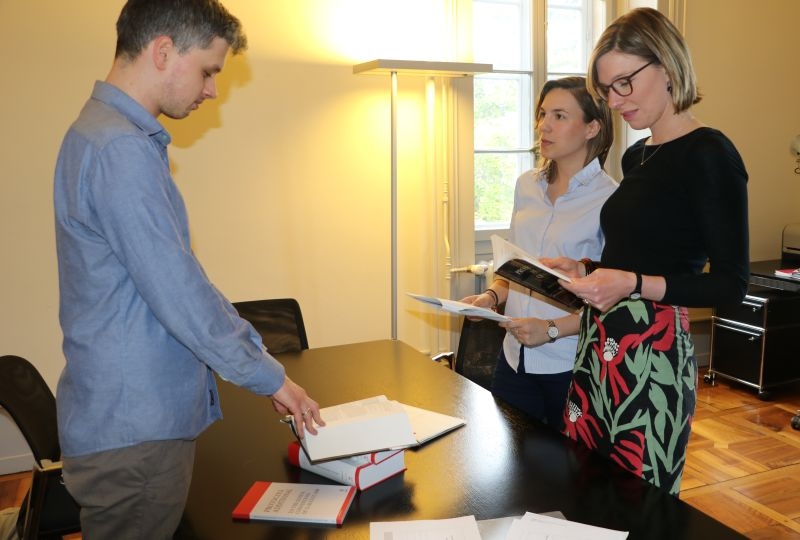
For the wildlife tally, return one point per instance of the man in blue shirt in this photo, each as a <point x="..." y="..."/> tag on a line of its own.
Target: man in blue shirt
<point x="143" y="326"/>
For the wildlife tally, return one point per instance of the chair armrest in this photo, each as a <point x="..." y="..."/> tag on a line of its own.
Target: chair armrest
<point x="445" y="358"/>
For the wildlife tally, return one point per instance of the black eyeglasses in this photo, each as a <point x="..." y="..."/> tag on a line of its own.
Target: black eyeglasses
<point x="622" y="86"/>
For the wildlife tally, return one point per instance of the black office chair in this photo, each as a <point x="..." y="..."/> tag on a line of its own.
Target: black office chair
<point x="478" y="349"/>
<point x="48" y="509"/>
<point x="278" y="320"/>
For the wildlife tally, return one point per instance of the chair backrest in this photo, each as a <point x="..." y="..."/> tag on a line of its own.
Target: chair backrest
<point x="29" y="401"/>
<point x="48" y="510"/>
<point x="478" y="349"/>
<point x="278" y="320"/>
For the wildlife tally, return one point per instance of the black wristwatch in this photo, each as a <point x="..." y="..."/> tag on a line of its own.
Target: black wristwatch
<point x="637" y="291"/>
<point x="552" y="331"/>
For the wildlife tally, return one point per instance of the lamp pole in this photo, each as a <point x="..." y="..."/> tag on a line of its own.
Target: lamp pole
<point x="412" y="67"/>
<point x="394" y="204"/>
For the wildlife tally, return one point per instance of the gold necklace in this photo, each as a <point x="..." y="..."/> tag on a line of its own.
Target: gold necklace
<point x="645" y="160"/>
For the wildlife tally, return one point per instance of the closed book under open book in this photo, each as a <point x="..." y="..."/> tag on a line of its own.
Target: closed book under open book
<point x="352" y="471"/>
<point x="368" y="458"/>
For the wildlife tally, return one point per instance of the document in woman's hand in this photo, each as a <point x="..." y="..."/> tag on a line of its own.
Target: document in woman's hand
<point x="460" y="308"/>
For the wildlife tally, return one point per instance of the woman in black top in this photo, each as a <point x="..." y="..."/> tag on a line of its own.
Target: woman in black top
<point x="682" y="204"/>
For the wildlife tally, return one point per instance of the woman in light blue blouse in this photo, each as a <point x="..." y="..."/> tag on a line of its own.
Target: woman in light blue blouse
<point x="556" y="212"/>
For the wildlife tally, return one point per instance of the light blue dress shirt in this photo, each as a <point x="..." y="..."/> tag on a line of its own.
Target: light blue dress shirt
<point x="571" y="228"/>
<point x="143" y="326"/>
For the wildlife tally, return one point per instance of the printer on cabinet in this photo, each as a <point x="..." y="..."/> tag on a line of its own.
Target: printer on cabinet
<point x="790" y="250"/>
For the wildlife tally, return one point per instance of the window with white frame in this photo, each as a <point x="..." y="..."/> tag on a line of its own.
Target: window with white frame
<point x="527" y="41"/>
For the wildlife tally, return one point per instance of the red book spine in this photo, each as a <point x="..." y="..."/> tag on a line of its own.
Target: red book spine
<point x="248" y="502"/>
<point x="294" y="453"/>
<point x="345" y="506"/>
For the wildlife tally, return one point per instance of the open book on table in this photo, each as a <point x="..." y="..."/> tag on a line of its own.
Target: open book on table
<point x="514" y="264"/>
<point x="460" y="308"/>
<point x="370" y="425"/>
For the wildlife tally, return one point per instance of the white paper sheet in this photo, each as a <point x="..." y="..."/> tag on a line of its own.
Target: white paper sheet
<point x="460" y="308"/>
<point x="461" y="528"/>
<point x="539" y="527"/>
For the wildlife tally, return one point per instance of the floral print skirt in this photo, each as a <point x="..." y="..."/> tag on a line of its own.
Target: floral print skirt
<point x="633" y="390"/>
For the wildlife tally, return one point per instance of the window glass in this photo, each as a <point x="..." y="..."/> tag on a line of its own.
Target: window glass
<point x="502" y="111"/>
<point x="500" y="19"/>
<point x="565" y="39"/>
<point x="495" y="176"/>
<point x="503" y="33"/>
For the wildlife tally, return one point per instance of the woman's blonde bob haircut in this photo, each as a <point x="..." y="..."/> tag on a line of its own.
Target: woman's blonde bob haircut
<point x="647" y="33"/>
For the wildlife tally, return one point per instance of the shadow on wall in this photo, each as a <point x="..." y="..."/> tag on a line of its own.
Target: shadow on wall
<point x="186" y="132"/>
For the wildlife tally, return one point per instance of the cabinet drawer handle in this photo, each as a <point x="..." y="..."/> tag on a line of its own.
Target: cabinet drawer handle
<point x="753" y="335"/>
<point x="755" y="307"/>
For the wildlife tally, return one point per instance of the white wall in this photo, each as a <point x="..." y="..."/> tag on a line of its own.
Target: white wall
<point x="745" y="55"/>
<point x="15" y="455"/>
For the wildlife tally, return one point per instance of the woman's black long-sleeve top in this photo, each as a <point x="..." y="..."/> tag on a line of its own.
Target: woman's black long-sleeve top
<point x="686" y="205"/>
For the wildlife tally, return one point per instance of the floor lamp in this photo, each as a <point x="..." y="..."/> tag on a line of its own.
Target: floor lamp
<point x="417" y="68"/>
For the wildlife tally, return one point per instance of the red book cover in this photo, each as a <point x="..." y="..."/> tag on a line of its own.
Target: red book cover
<point x="306" y="503"/>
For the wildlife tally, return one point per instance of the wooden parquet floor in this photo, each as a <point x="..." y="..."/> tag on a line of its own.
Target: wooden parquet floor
<point x="742" y="467"/>
<point x="743" y="461"/>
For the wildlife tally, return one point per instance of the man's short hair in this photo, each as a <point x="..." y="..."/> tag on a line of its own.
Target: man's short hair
<point x="189" y="23"/>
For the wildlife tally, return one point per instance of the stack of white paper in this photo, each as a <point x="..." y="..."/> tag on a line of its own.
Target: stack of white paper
<point x="528" y="527"/>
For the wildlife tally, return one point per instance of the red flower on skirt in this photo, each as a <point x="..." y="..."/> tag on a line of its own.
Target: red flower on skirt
<point x="629" y="453"/>
<point x="613" y="353"/>
<point x="579" y="424"/>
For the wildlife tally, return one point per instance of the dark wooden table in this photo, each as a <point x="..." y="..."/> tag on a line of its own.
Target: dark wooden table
<point x="500" y="464"/>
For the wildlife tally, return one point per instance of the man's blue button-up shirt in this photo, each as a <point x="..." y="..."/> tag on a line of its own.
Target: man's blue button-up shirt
<point x="143" y="326"/>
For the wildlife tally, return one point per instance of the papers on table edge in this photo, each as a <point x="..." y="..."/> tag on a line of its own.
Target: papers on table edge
<point x="460" y="308"/>
<point x="370" y="425"/>
<point x="529" y="526"/>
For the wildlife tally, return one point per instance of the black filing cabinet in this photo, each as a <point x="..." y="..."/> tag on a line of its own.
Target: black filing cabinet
<point x="756" y="341"/>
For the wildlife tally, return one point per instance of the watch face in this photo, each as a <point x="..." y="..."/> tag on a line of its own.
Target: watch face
<point x="552" y="331"/>
<point x="637" y="291"/>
